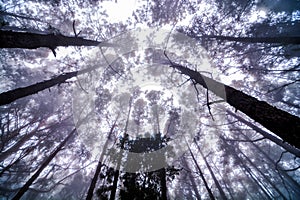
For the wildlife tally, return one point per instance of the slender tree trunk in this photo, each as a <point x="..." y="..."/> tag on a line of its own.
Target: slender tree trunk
<point x="229" y="190"/>
<point x="222" y="193"/>
<point x="268" y="40"/>
<point x="12" y="95"/>
<point x="211" y="196"/>
<point x="117" y="172"/>
<point x="16" y="146"/>
<point x="245" y="168"/>
<point x="274" y="139"/>
<point x="262" y="174"/>
<point x="163" y="183"/>
<point x="99" y="166"/>
<point x="246" y="189"/>
<point x="194" y="185"/>
<point x="26" y="40"/>
<point x="292" y="183"/>
<point x="25" y="187"/>
<point x="281" y="123"/>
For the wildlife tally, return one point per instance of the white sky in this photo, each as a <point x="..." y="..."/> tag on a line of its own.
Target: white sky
<point x="121" y="10"/>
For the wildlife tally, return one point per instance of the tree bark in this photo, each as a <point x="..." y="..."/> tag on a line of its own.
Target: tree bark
<point x="25" y="187"/>
<point x="27" y="40"/>
<point x="274" y="139"/>
<point x="281" y="123"/>
<point x="13" y="95"/>
<point x="269" y="40"/>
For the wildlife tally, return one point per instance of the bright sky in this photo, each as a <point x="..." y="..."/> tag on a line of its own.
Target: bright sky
<point x="121" y="10"/>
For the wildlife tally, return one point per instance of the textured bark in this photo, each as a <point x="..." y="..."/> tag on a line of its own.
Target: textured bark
<point x="274" y="139"/>
<point x="281" y="123"/>
<point x="12" y="95"/>
<point x="25" y="187"/>
<point x="268" y="40"/>
<point x="26" y="40"/>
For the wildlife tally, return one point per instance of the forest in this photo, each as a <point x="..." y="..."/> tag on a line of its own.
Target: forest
<point x="148" y="99"/>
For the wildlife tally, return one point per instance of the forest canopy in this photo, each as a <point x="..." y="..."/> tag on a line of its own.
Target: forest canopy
<point x="134" y="99"/>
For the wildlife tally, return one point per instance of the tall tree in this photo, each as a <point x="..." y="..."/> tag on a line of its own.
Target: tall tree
<point x="27" y="40"/>
<point x="25" y="187"/>
<point x="12" y="95"/>
<point x="99" y="165"/>
<point x="211" y="196"/>
<point x="267" y="135"/>
<point x="268" y="40"/>
<point x="283" y="124"/>
<point x="221" y="191"/>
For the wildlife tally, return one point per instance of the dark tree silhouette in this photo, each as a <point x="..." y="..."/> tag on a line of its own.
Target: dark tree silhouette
<point x="27" y="40"/>
<point x="99" y="166"/>
<point x="12" y="95"/>
<point x="267" y="135"/>
<point x="268" y="40"/>
<point x="25" y="187"/>
<point x="283" y="124"/>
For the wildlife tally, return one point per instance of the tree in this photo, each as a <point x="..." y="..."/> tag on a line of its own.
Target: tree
<point x="268" y="40"/>
<point x="12" y="95"/>
<point x="11" y="39"/>
<point x="284" y="124"/>
<point x="25" y="187"/>
<point x="222" y="193"/>
<point x="99" y="166"/>
<point x="252" y="44"/>
<point x="267" y="135"/>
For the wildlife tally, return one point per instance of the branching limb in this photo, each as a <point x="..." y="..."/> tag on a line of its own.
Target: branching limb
<point x="278" y="161"/>
<point x="294" y="169"/>
<point x="74" y="30"/>
<point x="256" y="140"/>
<point x="109" y="64"/>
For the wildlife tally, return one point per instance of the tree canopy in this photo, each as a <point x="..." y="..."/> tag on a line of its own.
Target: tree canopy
<point x="171" y="99"/>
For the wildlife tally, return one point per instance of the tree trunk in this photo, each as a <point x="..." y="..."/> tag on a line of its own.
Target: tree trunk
<point x="291" y="182"/>
<point x="211" y="196"/>
<point x="42" y="167"/>
<point x="117" y="172"/>
<point x="163" y="183"/>
<point x="245" y="168"/>
<point x="274" y="139"/>
<point x="262" y="174"/>
<point x="99" y="166"/>
<point x="281" y="123"/>
<point x="194" y="185"/>
<point x="267" y="40"/>
<point x="222" y="193"/>
<point x="229" y="190"/>
<point x="12" y="95"/>
<point x="27" y="40"/>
